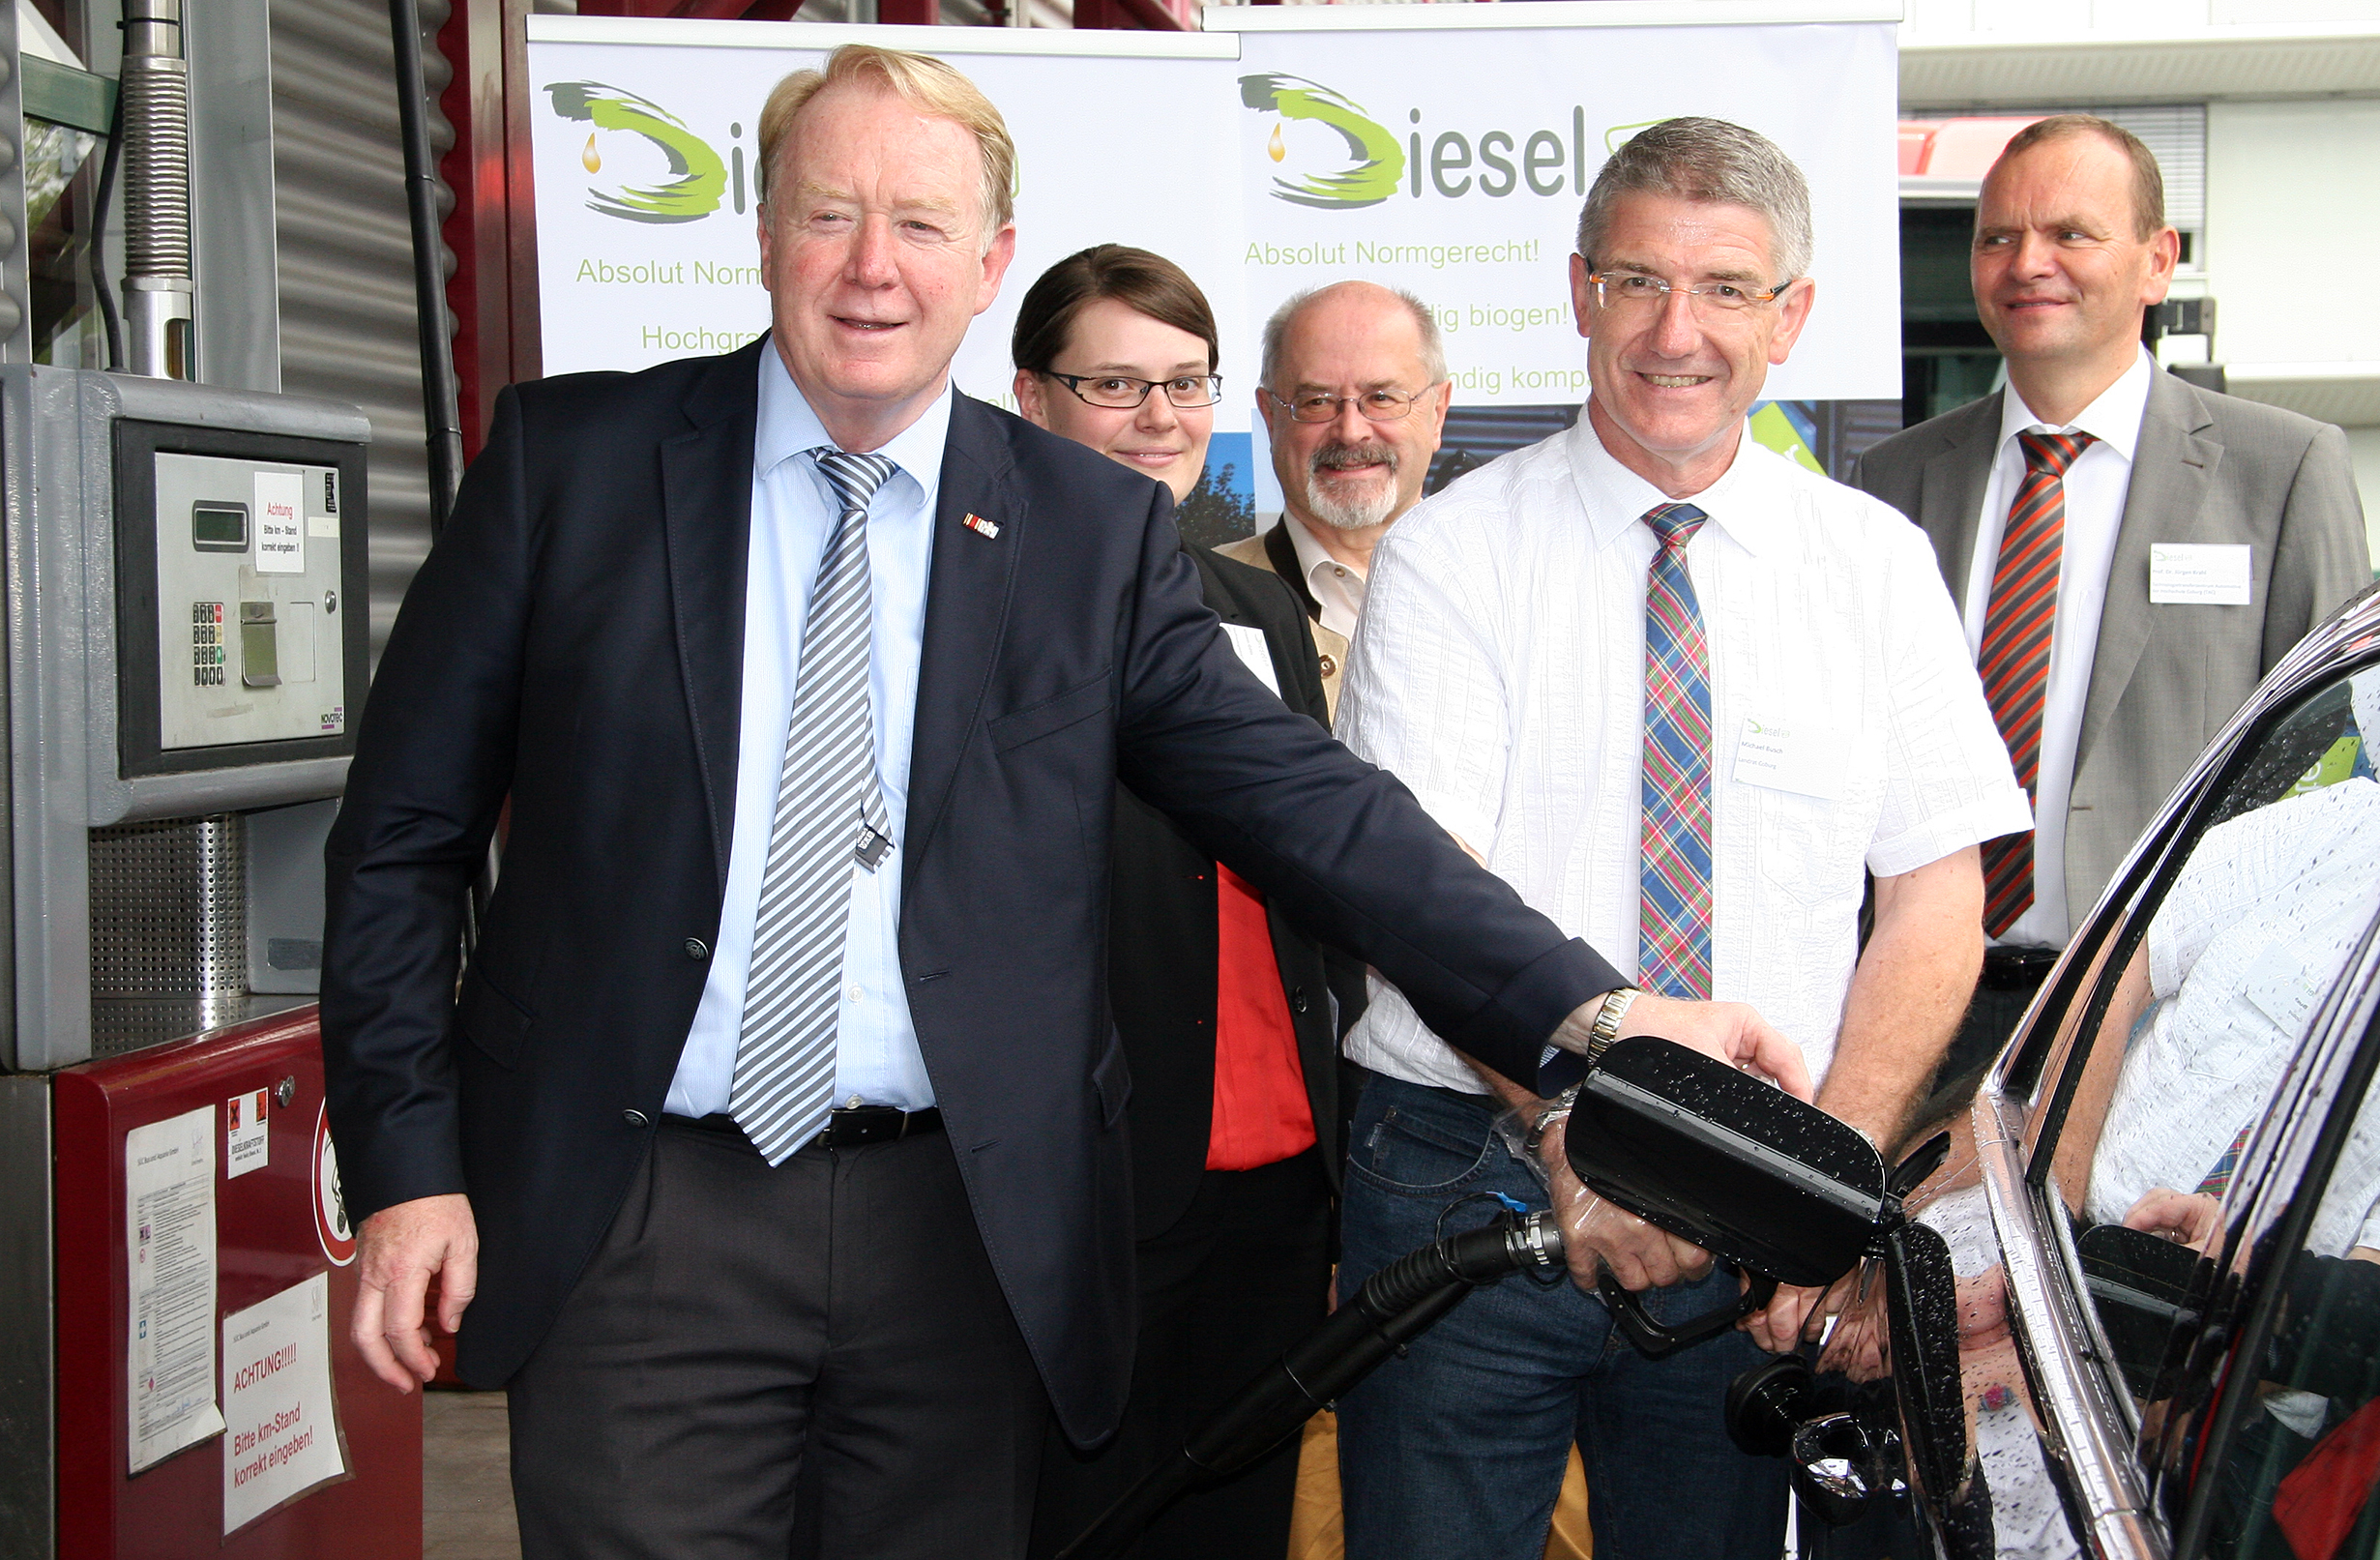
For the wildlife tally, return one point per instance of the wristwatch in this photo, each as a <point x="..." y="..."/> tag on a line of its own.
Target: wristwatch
<point x="1606" y="1026"/>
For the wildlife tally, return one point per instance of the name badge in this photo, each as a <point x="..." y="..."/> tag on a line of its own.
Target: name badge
<point x="2195" y="574"/>
<point x="1248" y="644"/>
<point x="1796" y="756"/>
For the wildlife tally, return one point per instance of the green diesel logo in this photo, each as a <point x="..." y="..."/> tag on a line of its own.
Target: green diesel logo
<point x="699" y="179"/>
<point x="1376" y="162"/>
<point x="1553" y="160"/>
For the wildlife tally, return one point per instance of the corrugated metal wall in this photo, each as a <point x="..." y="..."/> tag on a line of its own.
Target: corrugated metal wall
<point x="348" y="317"/>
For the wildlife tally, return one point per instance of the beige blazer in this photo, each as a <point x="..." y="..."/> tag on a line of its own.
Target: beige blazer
<point x="1273" y="551"/>
<point x="2165" y="678"/>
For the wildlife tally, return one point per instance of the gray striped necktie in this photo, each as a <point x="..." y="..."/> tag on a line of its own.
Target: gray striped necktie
<point x="830" y="811"/>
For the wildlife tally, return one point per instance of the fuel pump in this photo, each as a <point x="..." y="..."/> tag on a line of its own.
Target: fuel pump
<point x="187" y="655"/>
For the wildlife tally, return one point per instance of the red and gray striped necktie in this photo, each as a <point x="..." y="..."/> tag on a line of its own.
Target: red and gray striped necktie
<point x="2019" y="625"/>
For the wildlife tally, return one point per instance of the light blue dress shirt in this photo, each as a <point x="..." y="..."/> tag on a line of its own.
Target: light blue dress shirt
<point x="877" y="1061"/>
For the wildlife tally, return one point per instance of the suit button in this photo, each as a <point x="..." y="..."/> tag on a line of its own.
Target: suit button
<point x="1297" y="999"/>
<point x="697" y="948"/>
<point x="635" y="1118"/>
<point x="1330" y="665"/>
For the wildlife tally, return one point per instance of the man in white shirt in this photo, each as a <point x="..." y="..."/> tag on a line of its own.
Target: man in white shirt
<point x="1354" y="392"/>
<point x="1685" y="697"/>
<point x="2133" y="555"/>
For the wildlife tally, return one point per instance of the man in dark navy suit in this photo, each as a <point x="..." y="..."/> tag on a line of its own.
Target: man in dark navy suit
<point x="773" y="1132"/>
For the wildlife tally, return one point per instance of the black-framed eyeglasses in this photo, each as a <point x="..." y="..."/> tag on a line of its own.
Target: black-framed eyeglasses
<point x="1637" y="288"/>
<point x="1116" y="391"/>
<point x="1321" y="406"/>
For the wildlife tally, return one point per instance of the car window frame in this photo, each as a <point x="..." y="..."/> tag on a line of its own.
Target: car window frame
<point x="2022" y="1110"/>
<point x="2340" y="1058"/>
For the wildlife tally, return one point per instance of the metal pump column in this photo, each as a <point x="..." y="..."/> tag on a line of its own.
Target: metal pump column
<point x="157" y="190"/>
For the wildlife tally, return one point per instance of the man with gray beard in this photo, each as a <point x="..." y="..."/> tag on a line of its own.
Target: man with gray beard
<point x="1354" y="393"/>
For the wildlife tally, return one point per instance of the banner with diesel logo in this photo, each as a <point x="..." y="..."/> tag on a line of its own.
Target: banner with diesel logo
<point x="1444" y="149"/>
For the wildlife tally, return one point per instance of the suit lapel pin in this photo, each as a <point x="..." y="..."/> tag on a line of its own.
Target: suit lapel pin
<point x="981" y="526"/>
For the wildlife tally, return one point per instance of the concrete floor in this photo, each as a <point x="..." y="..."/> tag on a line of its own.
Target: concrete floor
<point x="466" y="1479"/>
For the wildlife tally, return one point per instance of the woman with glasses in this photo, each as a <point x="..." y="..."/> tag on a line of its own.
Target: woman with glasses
<point x="1225" y="1010"/>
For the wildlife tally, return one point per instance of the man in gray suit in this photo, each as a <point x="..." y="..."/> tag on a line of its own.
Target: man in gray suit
<point x="2132" y="553"/>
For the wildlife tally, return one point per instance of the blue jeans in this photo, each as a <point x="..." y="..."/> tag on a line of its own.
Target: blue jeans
<point x="1456" y="1451"/>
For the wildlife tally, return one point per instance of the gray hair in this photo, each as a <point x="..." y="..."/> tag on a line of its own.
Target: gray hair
<point x="1277" y="329"/>
<point x="1712" y="161"/>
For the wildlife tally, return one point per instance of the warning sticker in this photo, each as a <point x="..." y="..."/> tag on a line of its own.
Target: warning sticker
<point x="280" y="524"/>
<point x="330" y="1226"/>
<point x="280" y="1423"/>
<point x="246" y="1133"/>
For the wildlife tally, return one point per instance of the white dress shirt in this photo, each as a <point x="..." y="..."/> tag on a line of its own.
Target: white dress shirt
<point x="877" y="1060"/>
<point x="1500" y="674"/>
<point x="2261" y="925"/>
<point x="2096" y="485"/>
<point x="1338" y="587"/>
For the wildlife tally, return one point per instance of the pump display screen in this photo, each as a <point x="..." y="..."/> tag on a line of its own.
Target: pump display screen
<point x="238" y="553"/>
<point x="252" y="641"/>
<point x="218" y="527"/>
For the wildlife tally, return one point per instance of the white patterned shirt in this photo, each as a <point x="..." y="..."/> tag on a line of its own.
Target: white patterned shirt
<point x="1499" y="672"/>
<point x="2258" y="926"/>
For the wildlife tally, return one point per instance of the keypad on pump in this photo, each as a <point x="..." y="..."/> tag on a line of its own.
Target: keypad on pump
<point x="207" y="644"/>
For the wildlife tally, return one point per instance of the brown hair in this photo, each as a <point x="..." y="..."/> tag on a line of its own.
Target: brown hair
<point x="925" y="83"/>
<point x="2148" y="180"/>
<point x="1149" y="283"/>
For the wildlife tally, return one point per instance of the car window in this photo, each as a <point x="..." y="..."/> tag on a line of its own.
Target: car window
<point x="2274" y="1452"/>
<point x="2184" y="1060"/>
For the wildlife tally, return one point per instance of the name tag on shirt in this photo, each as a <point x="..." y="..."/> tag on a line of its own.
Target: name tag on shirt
<point x="1796" y="756"/>
<point x="2195" y="574"/>
<point x="1248" y="644"/>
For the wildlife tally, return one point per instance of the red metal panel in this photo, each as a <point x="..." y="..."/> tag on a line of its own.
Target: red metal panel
<point x="265" y="1242"/>
<point x="473" y="168"/>
<point x="916" y="13"/>
<point x="1151" y="16"/>
<point x="491" y="229"/>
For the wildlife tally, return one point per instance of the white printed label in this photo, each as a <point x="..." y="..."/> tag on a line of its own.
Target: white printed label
<point x="2191" y="574"/>
<point x="246" y="1132"/>
<point x="1805" y="759"/>
<point x="280" y="526"/>
<point x="281" y="1428"/>
<point x="169" y="1246"/>
<point x="1253" y="654"/>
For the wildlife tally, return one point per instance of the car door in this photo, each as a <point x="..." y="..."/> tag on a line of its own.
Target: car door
<point x="2156" y="1215"/>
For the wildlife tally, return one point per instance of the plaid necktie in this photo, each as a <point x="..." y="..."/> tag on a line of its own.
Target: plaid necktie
<point x="830" y="810"/>
<point x="1673" y="921"/>
<point x="2217" y="1179"/>
<point x="2018" y="623"/>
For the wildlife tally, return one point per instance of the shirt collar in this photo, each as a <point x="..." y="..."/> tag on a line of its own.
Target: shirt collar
<point x="1746" y="502"/>
<point x="1311" y="558"/>
<point x="787" y="427"/>
<point x="2113" y="420"/>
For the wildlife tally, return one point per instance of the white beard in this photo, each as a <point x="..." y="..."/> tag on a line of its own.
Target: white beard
<point x="1357" y="512"/>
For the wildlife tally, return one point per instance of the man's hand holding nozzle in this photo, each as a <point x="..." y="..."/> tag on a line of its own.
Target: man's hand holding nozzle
<point x="1729" y="1031"/>
<point x="1598" y="1235"/>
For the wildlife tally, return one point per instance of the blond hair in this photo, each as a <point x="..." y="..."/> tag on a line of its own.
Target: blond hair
<point x="921" y="82"/>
